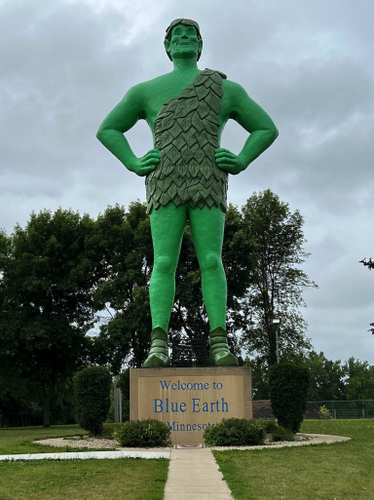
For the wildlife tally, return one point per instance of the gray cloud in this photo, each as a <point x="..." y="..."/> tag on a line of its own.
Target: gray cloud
<point x="65" y="64"/>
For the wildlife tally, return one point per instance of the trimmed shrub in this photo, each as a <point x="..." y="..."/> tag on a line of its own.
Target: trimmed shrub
<point x="289" y="385"/>
<point x="235" y="432"/>
<point x="92" y="398"/>
<point x="143" y="434"/>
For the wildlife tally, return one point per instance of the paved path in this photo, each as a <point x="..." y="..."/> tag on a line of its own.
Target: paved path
<point x="194" y="475"/>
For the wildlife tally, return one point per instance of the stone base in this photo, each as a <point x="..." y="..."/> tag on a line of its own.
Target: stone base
<point x="190" y="399"/>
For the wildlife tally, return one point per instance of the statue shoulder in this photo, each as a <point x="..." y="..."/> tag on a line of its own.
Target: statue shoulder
<point x="233" y="88"/>
<point x="144" y="87"/>
<point x="156" y="82"/>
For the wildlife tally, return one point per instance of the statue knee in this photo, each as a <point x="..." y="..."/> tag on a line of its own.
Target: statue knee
<point x="164" y="265"/>
<point x="210" y="262"/>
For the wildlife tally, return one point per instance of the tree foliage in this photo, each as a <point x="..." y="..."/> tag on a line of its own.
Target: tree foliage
<point x="369" y="263"/>
<point x="46" y="300"/>
<point x="276" y="290"/>
<point x="330" y="380"/>
<point x="327" y="378"/>
<point x="125" y="246"/>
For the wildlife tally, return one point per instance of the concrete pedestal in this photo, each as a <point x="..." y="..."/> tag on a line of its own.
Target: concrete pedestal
<point x="189" y="400"/>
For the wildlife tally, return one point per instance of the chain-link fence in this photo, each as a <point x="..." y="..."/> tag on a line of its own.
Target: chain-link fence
<point x="363" y="408"/>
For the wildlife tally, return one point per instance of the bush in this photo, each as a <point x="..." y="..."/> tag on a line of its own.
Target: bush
<point x="281" y="434"/>
<point x="92" y="398"/>
<point x="143" y="434"/>
<point x="325" y="412"/>
<point x="289" y="384"/>
<point x="109" y="429"/>
<point x="268" y="424"/>
<point x="235" y="432"/>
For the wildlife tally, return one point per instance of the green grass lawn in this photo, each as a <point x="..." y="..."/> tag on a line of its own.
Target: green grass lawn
<point x="21" y="439"/>
<point x="124" y="478"/>
<point x="127" y="478"/>
<point x="341" y="471"/>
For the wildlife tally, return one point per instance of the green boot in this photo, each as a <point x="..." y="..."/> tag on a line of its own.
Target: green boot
<point x="219" y="349"/>
<point x="158" y="354"/>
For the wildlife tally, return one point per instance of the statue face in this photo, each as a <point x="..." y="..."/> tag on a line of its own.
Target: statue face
<point x="184" y="42"/>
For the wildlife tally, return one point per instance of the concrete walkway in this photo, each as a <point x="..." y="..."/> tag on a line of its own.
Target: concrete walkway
<point x="194" y="475"/>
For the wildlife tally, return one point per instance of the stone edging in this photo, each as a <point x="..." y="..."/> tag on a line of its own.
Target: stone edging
<point x="309" y="439"/>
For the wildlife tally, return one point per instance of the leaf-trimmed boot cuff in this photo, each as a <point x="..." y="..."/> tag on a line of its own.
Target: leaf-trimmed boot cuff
<point x="158" y="354"/>
<point x="219" y="350"/>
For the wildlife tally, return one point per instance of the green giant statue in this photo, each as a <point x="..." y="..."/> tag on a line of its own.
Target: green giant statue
<point x="187" y="174"/>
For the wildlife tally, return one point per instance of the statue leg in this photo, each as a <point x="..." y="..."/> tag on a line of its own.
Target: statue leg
<point x="167" y="225"/>
<point x="207" y="226"/>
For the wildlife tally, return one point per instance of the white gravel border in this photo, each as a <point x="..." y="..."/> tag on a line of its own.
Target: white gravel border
<point x="301" y="440"/>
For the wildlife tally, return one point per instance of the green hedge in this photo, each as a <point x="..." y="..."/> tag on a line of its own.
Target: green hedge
<point x="289" y="385"/>
<point x="143" y="434"/>
<point x="235" y="432"/>
<point x="92" y="398"/>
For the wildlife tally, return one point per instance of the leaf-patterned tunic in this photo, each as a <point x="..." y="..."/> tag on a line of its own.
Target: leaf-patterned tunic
<point x="186" y="133"/>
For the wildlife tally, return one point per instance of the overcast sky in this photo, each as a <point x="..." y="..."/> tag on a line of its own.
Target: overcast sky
<point x="65" y="64"/>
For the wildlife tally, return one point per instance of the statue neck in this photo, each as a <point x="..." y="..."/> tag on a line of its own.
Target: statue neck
<point x="185" y="64"/>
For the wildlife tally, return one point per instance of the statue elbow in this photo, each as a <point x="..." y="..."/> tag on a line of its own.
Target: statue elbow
<point x="274" y="133"/>
<point x="99" y="134"/>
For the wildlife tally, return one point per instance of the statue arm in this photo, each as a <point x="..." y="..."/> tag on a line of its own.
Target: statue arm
<point x="121" y="119"/>
<point x="256" y="121"/>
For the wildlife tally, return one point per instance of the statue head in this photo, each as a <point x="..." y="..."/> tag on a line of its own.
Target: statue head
<point x="184" y="22"/>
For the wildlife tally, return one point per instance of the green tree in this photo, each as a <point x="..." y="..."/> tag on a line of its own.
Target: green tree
<point x="125" y="246"/>
<point x="47" y="301"/>
<point x="326" y="378"/>
<point x="260" y="378"/>
<point x="278" y="283"/>
<point x="359" y="379"/>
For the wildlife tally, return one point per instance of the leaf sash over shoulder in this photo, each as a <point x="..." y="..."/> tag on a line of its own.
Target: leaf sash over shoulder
<point x="186" y="133"/>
